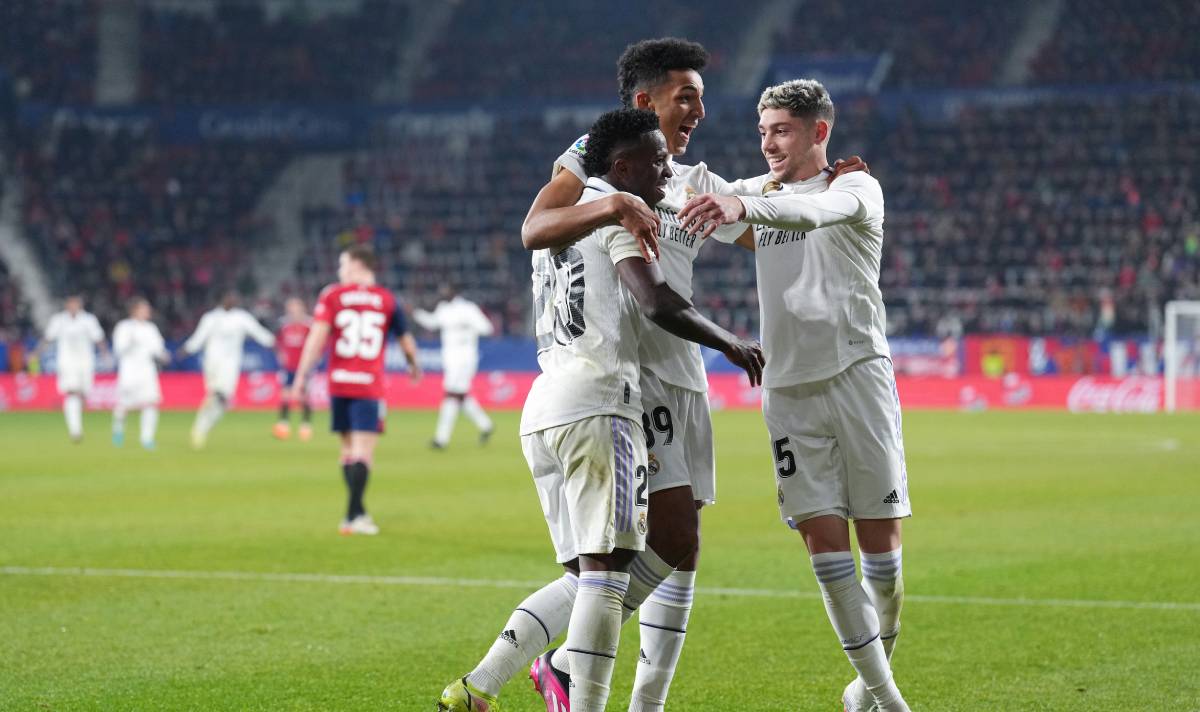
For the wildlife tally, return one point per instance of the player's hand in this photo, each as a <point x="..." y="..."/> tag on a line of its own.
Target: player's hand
<point x="842" y="166"/>
<point x="705" y="213"/>
<point x="295" y="394"/>
<point x="414" y="372"/>
<point x="748" y="356"/>
<point x="636" y="217"/>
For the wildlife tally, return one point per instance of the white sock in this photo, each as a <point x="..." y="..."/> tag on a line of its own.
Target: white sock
<point x="537" y="621"/>
<point x="119" y="420"/>
<point x="208" y="415"/>
<point x="856" y="624"/>
<point x="475" y="412"/>
<point x="664" y="619"/>
<point x="645" y="574"/>
<point x="883" y="581"/>
<point x="149" y="424"/>
<point x="445" y="424"/>
<point x="592" y="637"/>
<point x="73" y="413"/>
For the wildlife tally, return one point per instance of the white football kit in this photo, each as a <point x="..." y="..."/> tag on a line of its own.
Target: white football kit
<point x="221" y="333"/>
<point x="137" y="345"/>
<point x="75" y="338"/>
<point x="580" y="427"/>
<point x="829" y="394"/>
<point x="676" y="418"/>
<point x="461" y="323"/>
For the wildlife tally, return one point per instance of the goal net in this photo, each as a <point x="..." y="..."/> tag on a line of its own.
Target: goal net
<point x="1181" y="357"/>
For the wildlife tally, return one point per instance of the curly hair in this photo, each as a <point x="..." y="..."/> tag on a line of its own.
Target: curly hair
<point x="614" y="130"/>
<point x="644" y="65"/>
<point x="803" y="98"/>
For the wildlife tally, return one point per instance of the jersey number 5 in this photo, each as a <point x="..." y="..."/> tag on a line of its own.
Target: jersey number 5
<point x="360" y="334"/>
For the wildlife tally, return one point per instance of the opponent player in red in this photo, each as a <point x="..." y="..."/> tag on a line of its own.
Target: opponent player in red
<point x="360" y="314"/>
<point x="289" y="343"/>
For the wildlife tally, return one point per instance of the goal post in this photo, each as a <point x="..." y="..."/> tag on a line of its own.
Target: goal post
<point x="1181" y="356"/>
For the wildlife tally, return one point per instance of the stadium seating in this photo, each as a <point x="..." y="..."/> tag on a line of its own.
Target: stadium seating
<point x="48" y="48"/>
<point x="561" y="64"/>
<point x="1110" y="41"/>
<point x="115" y="214"/>
<point x="191" y="58"/>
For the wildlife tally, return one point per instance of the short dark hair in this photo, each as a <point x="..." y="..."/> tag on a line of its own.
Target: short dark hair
<point x="645" y="64"/>
<point x="613" y="130"/>
<point x="362" y="254"/>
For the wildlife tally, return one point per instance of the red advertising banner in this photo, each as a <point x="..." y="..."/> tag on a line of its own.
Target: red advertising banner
<point x="507" y="390"/>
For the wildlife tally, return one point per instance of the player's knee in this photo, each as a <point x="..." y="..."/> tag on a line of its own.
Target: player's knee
<point x="674" y="531"/>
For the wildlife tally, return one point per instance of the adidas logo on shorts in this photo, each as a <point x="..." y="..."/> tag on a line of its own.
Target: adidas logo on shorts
<point x="892" y="498"/>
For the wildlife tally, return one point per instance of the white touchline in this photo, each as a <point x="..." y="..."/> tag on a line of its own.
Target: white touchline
<point x="266" y="576"/>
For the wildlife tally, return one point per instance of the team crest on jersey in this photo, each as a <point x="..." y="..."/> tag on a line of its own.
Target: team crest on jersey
<point x="642" y="523"/>
<point x="689" y="192"/>
<point x="652" y="465"/>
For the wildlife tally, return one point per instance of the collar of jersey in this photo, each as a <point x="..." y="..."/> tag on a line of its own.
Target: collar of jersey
<point x="596" y="183"/>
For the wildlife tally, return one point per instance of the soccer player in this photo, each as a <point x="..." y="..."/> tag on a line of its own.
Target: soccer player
<point x="221" y="333"/>
<point x="580" y="425"/>
<point x="461" y="323"/>
<point x="661" y="75"/>
<point x="289" y="342"/>
<point x="359" y="314"/>
<point x="829" y="394"/>
<point x="139" y="348"/>
<point x="76" y="335"/>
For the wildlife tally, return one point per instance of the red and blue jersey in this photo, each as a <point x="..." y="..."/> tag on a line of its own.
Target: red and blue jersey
<point x="289" y="343"/>
<point x="360" y="318"/>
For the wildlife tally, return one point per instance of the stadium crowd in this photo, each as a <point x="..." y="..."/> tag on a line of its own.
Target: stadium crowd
<point x="1072" y="215"/>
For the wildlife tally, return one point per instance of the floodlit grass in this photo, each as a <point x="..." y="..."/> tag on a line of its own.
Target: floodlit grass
<point x="1054" y="509"/>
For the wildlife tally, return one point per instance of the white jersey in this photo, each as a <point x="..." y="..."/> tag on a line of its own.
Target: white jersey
<point x="137" y="345"/>
<point x="461" y="323"/>
<point x="75" y="338"/>
<point x="586" y="330"/>
<point x="674" y="360"/>
<point x="221" y="333"/>
<point x="817" y="258"/>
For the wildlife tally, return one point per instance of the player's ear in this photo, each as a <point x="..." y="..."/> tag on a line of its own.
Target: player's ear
<point x="821" y="135"/>
<point x="642" y="100"/>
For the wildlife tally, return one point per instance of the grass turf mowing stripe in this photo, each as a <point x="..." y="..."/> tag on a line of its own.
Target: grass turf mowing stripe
<point x="262" y="576"/>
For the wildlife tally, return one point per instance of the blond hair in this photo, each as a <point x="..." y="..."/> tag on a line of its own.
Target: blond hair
<point x="802" y="98"/>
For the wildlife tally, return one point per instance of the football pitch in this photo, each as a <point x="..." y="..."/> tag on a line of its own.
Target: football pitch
<point x="1051" y="565"/>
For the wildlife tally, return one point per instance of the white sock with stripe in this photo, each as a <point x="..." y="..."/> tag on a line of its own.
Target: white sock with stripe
<point x="645" y="574"/>
<point x="664" y="620"/>
<point x="537" y="621"/>
<point x="592" y="637"/>
<point x="884" y="583"/>
<point x="857" y="625"/>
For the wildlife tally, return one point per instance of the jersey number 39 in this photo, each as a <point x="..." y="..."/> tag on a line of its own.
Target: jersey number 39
<point x="360" y="334"/>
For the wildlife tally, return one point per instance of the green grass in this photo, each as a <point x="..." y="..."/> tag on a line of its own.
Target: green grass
<point x="1036" y="506"/>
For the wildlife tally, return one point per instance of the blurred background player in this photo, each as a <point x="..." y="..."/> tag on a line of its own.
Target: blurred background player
<point x="359" y="314"/>
<point x="76" y="335"/>
<point x="221" y="333"/>
<point x="139" y="348"/>
<point x="289" y="344"/>
<point x="461" y="323"/>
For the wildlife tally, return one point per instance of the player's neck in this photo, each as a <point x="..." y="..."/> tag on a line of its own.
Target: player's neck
<point x="810" y="168"/>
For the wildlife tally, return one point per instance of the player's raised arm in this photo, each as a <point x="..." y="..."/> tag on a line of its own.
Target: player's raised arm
<point x="197" y="340"/>
<point x="554" y="219"/>
<point x="427" y="320"/>
<point x="705" y="213"/>
<point x="258" y="332"/>
<point x="665" y="307"/>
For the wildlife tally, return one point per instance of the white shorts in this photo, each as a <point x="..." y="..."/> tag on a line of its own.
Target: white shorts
<point x="590" y="476"/>
<point x="75" y="380"/>
<point x="222" y="380"/>
<point x="838" y="447"/>
<point x="457" y="378"/>
<point x="679" y="438"/>
<point x="138" y="392"/>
